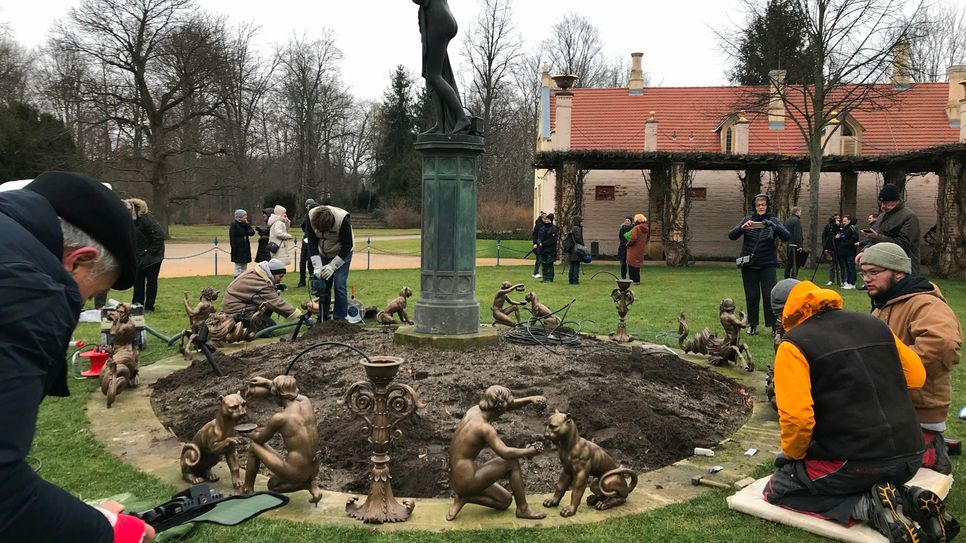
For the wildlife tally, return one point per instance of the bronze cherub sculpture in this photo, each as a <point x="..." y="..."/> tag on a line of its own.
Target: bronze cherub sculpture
<point x="197" y="315"/>
<point x="396" y="306"/>
<point x="215" y="440"/>
<point x="121" y="369"/>
<point x="297" y="425"/>
<point x="719" y="350"/>
<point x="477" y="484"/>
<point x="585" y="463"/>
<point x="501" y="315"/>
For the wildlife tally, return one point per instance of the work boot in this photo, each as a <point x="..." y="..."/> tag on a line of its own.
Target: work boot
<point x="300" y="284"/>
<point x="936" y="456"/>
<point x="752" y="330"/>
<point x="884" y="513"/>
<point x="928" y="510"/>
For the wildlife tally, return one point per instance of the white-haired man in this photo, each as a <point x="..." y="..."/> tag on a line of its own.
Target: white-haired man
<point x="66" y="237"/>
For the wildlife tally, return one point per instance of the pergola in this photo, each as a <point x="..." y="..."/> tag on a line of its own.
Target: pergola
<point x="671" y="174"/>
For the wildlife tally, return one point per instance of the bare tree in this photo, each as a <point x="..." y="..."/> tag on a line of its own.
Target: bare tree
<point x="852" y="44"/>
<point x="15" y="66"/>
<point x="492" y="45"/>
<point x="940" y="41"/>
<point x="575" y="47"/>
<point x="160" y="60"/>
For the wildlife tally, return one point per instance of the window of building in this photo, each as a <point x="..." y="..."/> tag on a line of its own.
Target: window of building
<point x="698" y="193"/>
<point x="604" y="192"/>
<point x="851" y="140"/>
<point x="728" y="138"/>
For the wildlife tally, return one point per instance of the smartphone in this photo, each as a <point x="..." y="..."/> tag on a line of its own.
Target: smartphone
<point x="867" y="230"/>
<point x="757" y="224"/>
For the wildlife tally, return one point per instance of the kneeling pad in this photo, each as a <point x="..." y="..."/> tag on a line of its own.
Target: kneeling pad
<point x="750" y="500"/>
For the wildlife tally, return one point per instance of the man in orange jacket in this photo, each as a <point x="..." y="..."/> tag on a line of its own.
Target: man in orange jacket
<point x="850" y="438"/>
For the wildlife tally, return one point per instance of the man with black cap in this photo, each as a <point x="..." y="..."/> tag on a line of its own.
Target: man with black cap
<point x="849" y="436"/>
<point x="897" y="224"/>
<point x="66" y="237"/>
<point x="255" y="287"/>
<point x="918" y="314"/>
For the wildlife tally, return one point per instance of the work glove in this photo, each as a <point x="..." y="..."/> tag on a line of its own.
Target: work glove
<point x="329" y="269"/>
<point x="316" y="266"/>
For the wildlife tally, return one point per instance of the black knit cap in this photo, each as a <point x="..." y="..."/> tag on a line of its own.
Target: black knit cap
<point x="889" y="193"/>
<point x="95" y="209"/>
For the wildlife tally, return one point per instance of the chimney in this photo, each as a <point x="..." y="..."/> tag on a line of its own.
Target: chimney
<point x="565" y="101"/>
<point x="955" y="74"/>
<point x="833" y="135"/>
<point x="900" y="65"/>
<point x="776" y="107"/>
<point x="740" y="144"/>
<point x="635" y="84"/>
<point x="650" y="133"/>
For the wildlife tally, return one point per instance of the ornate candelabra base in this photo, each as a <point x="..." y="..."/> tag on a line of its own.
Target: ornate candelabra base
<point x="380" y="505"/>
<point x="621" y="335"/>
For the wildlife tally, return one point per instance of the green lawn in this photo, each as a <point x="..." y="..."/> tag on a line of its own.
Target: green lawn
<point x="206" y="233"/>
<point x="72" y="458"/>
<point x="485" y="248"/>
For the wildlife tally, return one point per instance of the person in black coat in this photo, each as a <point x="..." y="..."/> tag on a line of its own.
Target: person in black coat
<point x="794" y="252"/>
<point x="622" y="244"/>
<point x="845" y="240"/>
<point x="304" y="261"/>
<point x="262" y="254"/>
<point x="537" y="225"/>
<point x="150" y="250"/>
<point x="47" y="270"/>
<point x="238" y="234"/>
<point x="758" y="259"/>
<point x="577" y="235"/>
<point x="547" y="247"/>
<point x="828" y="249"/>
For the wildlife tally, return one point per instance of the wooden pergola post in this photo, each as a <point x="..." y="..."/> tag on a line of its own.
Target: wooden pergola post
<point x="678" y="206"/>
<point x="951" y="225"/>
<point x="847" y="193"/>
<point x="656" y="198"/>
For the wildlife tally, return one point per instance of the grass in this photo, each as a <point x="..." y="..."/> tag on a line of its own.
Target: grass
<point x="206" y="233"/>
<point x="73" y="459"/>
<point x="485" y="248"/>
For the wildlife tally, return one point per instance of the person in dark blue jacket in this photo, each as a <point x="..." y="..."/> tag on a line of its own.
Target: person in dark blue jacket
<point x="547" y="247"/>
<point x="66" y="237"/>
<point x="758" y="260"/>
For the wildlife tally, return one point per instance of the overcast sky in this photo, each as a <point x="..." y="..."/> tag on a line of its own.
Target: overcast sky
<point x="676" y="37"/>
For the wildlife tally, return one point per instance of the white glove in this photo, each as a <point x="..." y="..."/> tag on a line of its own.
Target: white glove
<point x="316" y="266"/>
<point x="327" y="271"/>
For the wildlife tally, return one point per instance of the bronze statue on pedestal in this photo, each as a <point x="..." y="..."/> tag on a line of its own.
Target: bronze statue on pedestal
<point x="300" y="433"/>
<point x="215" y="440"/>
<point x="501" y="315"/>
<point x="121" y="369"/>
<point x="623" y="297"/>
<point x="585" y="463"/>
<point x="478" y="484"/>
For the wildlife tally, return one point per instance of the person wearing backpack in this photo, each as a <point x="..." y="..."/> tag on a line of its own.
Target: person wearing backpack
<point x="576" y="237"/>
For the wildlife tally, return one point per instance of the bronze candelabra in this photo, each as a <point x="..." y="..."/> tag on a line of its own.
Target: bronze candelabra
<point x="383" y="405"/>
<point x="623" y="297"/>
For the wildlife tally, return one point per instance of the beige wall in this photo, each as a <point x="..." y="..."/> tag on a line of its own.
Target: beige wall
<point x="711" y="219"/>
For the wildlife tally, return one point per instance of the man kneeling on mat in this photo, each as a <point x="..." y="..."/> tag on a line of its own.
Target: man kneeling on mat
<point x="850" y="438"/>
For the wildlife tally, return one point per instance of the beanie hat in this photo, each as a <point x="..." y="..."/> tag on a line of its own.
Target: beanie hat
<point x="550" y="216"/>
<point x="89" y="205"/>
<point x="779" y="295"/>
<point x="310" y="203"/>
<point x="239" y="213"/>
<point x="279" y="210"/>
<point x="888" y="256"/>
<point x="273" y="266"/>
<point x="889" y="193"/>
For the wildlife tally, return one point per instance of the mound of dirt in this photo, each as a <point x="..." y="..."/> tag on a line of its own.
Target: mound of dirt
<point x="647" y="410"/>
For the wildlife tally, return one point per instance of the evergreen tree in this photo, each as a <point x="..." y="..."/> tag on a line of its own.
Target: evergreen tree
<point x="32" y="142"/>
<point x="397" y="173"/>
<point x="774" y="39"/>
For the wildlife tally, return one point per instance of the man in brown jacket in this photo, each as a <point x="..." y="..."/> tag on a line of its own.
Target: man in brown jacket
<point x="917" y="313"/>
<point x="257" y="286"/>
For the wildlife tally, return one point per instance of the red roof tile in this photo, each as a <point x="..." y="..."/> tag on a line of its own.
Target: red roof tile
<point x="687" y="117"/>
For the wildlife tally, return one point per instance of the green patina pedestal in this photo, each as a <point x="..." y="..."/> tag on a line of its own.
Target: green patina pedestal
<point x="447" y="301"/>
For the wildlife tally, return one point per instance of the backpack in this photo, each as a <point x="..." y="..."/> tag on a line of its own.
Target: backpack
<point x="568" y="243"/>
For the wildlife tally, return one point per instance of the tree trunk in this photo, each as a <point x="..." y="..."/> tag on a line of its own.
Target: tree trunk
<point x="897" y="176"/>
<point x="951" y="226"/>
<point x="788" y="184"/>
<point x="847" y="194"/>
<point x="569" y="197"/>
<point x="656" y="198"/>
<point x="162" y="191"/>
<point x="677" y="207"/>
<point x="751" y="186"/>
<point x="814" y="175"/>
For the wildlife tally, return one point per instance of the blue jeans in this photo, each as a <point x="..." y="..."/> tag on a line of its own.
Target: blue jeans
<point x="574" y="272"/>
<point x="339" y="280"/>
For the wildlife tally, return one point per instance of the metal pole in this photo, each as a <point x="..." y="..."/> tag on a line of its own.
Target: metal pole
<point x="498" y="252"/>
<point x="216" y="255"/>
<point x="368" y="253"/>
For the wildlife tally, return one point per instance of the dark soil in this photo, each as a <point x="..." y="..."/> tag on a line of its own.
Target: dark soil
<point x="646" y="410"/>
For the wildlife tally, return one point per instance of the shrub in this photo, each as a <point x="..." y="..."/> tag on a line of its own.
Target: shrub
<point x="401" y="215"/>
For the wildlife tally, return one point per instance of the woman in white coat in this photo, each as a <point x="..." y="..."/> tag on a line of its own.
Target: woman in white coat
<point x="278" y="225"/>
